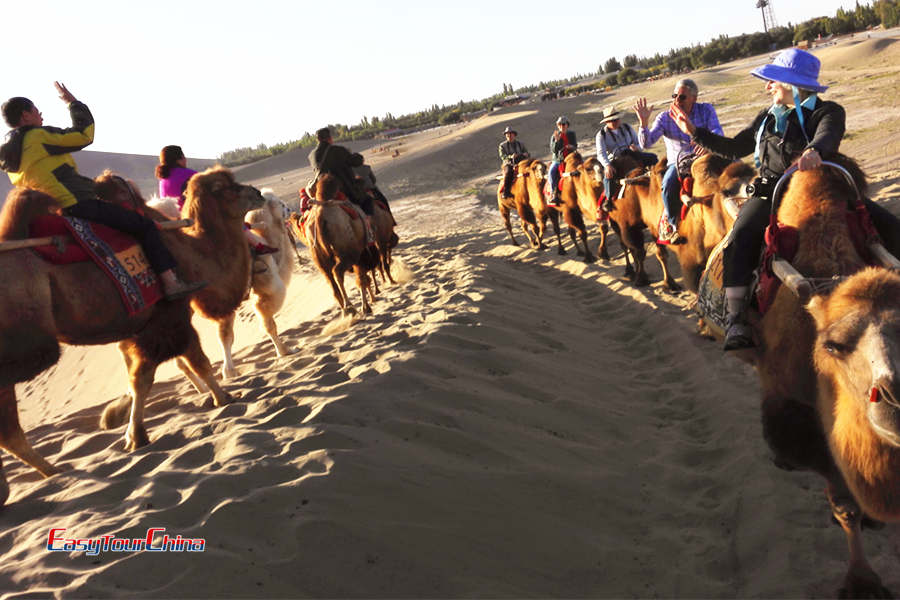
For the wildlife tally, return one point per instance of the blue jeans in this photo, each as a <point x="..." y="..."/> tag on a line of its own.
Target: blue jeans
<point x="554" y="178"/>
<point x="670" y="196"/>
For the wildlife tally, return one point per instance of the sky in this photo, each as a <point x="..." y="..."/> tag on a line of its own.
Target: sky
<point x="212" y="76"/>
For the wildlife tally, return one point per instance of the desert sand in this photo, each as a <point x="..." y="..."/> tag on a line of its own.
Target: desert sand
<point x="508" y="423"/>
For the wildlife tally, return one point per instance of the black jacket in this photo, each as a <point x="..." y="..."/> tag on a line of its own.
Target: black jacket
<point x="335" y="160"/>
<point x="825" y="125"/>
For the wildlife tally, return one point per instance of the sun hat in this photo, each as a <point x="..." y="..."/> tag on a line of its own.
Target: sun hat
<point x="793" y="67"/>
<point x="510" y="130"/>
<point x="562" y="120"/>
<point x="610" y="114"/>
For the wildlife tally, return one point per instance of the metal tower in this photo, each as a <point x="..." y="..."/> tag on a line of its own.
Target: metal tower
<point x="768" y="16"/>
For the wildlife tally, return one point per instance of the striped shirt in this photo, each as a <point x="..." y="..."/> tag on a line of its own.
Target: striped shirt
<point x="702" y="115"/>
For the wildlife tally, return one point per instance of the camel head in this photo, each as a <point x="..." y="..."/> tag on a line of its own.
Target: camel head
<point x="595" y="167"/>
<point x="572" y="161"/>
<point x="215" y="193"/>
<point x="857" y="348"/>
<point x="118" y="190"/>
<point x="732" y="186"/>
<point x="327" y="187"/>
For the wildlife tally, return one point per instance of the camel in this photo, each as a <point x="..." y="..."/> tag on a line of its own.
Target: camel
<point x="569" y="204"/>
<point x="535" y="182"/>
<point x="43" y="304"/>
<point x="719" y="187"/>
<point x="588" y="179"/>
<point x="716" y="181"/>
<point x="385" y="241"/>
<point x="829" y="370"/>
<point x="271" y="274"/>
<point x="337" y="243"/>
<point x="520" y="203"/>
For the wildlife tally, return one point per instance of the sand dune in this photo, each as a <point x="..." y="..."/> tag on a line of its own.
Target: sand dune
<point x="508" y="423"/>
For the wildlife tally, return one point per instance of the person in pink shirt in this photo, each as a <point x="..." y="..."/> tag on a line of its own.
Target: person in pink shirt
<point x="173" y="173"/>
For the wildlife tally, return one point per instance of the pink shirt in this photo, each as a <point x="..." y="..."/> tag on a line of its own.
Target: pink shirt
<point x="174" y="184"/>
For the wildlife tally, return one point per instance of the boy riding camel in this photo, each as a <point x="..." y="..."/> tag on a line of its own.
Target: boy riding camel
<point x="39" y="158"/>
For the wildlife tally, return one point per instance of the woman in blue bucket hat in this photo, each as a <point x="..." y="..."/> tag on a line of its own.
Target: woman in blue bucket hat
<point x="778" y="137"/>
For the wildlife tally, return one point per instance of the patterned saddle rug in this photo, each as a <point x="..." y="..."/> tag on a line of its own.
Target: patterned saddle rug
<point x="116" y="253"/>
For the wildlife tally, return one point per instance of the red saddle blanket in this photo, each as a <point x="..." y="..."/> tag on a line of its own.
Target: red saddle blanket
<point x="783" y="241"/>
<point x="116" y="253"/>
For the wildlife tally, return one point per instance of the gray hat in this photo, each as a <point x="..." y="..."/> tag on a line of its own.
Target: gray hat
<point x="610" y="114"/>
<point x="562" y="120"/>
<point x="510" y="130"/>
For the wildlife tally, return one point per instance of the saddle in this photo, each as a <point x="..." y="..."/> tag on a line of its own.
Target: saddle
<point x="117" y="254"/>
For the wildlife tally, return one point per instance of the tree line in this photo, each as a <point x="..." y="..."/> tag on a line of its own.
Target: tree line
<point x="631" y="69"/>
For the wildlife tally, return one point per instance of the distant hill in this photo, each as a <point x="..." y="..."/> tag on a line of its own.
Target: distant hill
<point x="139" y="168"/>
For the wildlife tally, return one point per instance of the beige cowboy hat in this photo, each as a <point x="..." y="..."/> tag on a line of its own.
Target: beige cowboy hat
<point x="610" y="114"/>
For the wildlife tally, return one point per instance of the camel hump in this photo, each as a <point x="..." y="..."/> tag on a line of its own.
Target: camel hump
<point x="21" y="208"/>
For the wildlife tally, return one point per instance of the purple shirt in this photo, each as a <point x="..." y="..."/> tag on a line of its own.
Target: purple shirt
<point x="702" y="115"/>
<point x="173" y="185"/>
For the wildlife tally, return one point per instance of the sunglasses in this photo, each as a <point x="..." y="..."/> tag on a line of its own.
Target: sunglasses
<point x="680" y="97"/>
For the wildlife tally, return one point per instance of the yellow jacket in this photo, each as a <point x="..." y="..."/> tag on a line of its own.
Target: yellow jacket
<point x="40" y="157"/>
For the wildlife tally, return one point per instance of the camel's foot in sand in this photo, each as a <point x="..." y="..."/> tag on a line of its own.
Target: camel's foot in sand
<point x="116" y="413"/>
<point x="862" y="582"/>
<point x="629" y="273"/>
<point x="561" y="251"/>
<point x="136" y="437"/>
<point x="590" y="258"/>
<point x="641" y="280"/>
<point x="673" y="286"/>
<point x="603" y="255"/>
<point x="543" y="246"/>
<point x="229" y="373"/>
<point x="285" y="351"/>
<point x="4" y="490"/>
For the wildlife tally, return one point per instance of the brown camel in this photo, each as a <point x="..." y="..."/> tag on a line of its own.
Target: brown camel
<point x="519" y="202"/>
<point x="829" y="371"/>
<point x="337" y="243"/>
<point x="569" y="204"/>
<point x="535" y="182"/>
<point x="385" y="240"/>
<point x="589" y="183"/>
<point x="42" y="304"/>
<point x="718" y="184"/>
<point x="716" y="181"/>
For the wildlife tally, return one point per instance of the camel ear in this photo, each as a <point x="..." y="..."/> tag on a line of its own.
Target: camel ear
<point x="816" y="308"/>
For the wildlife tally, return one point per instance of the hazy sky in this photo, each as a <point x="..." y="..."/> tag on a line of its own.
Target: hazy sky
<point x="214" y="76"/>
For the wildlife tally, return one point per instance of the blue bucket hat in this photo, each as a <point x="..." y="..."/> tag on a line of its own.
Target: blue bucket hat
<point x="793" y="67"/>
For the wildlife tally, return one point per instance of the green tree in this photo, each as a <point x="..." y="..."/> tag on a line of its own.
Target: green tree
<point x="611" y="66"/>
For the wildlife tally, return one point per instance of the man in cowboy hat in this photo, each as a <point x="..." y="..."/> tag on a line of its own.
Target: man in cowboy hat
<point x="684" y="98"/>
<point x="616" y="139"/>
<point x="562" y="143"/>
<point x="799" y="127"/>
<point x="511" y="152"/>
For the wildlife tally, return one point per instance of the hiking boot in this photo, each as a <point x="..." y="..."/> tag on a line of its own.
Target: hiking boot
<point x="554" y="200"/>
<point x="181" y="289"/>
<point x="668" y="234"/>
<point x="738" y="334"/>
<point x="607" y="205"/>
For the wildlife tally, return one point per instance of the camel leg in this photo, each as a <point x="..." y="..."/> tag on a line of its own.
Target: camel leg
<point x="386" y="265"/>
<point x="861" y="580"/>
<point x="199" y="364"/>
<point x="662" y="255"/>
<point x="629" y="270"/>
<point x="554" y="220"/>
<point x="602" y="253"/>
<point x="635" y="242"/>
<point x="268" y="322"/>
<point x="185" y="368"/>
<point x="574" y="239"/>
<point x="362" y="282"/>
<point x="504" y="212"/>
<point x="578" y="226"/>
<point x="12" y="439"/>
<point x="337" y="274"/>
<point x="226" y="339"/>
